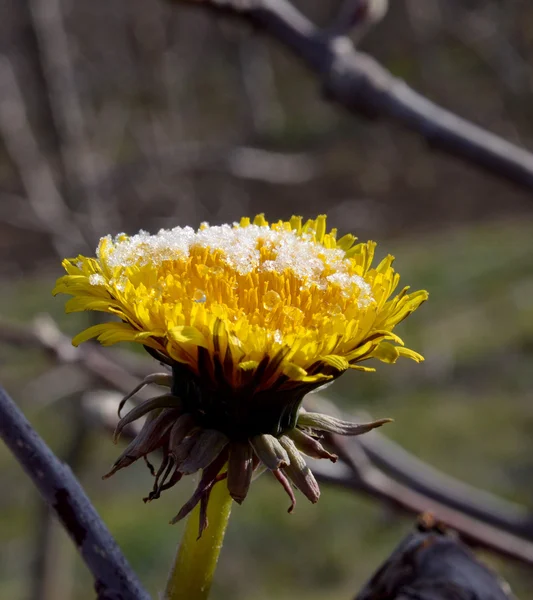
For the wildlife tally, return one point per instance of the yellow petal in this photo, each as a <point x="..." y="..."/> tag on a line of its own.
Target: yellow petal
<point x="185" y="334"/>
<point x="248" y="365"/>
<point x="386" y="352"/>
<point x="121" y="331"/>
<point x="335" y="361"/>
<point x="346" y="242"/>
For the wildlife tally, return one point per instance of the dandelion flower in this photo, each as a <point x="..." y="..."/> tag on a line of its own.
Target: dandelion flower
<point x="249" y="317"/>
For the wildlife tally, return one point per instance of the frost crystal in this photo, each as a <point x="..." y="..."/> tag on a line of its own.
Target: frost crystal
<point x="96" y="279"/>
<point x="240" y="248"/>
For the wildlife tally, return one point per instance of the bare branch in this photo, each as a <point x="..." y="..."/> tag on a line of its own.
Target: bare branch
<point x="36" y="174"/>
<point x="61" y="490"/>
<point x="360" y="84"/>
<point x="45" y="334"/>
<point x="79" y="162"/>
<point x="422" y="478"/>
<point x="357" y="473"/>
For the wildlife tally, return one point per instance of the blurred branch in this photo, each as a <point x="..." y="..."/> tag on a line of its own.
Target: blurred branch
<point x="360" y="84"/>
<point x="356" y="17"/>
<point x="61" y="490"/>
<point x="45" y="334"/>
<point x="357" y="473"/>
<point x="240" y="161"/>
<point x="424" y="479"/>
<point x="256" y="92"/>
<point x="481" y="31"/>
<point x="493" y="529"/>
<point x="79" y="164"/>
<point x="35" y="172"/>
<point x="51" y="574"/>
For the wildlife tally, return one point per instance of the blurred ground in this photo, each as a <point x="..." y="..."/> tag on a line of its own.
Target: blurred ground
<point x="188" y="119"/>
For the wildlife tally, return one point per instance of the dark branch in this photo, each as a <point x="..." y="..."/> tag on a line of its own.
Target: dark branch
<point x="430" y="564"/>
<point x="420" y="477"/>
<point x="113" y="577"/>
<point x="360" y="84"/>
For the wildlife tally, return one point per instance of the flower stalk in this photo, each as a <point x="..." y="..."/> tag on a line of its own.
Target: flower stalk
<point x="194" y="566"/>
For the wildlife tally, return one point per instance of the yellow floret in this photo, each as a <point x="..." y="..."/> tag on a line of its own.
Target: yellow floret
<point x="288" y="295"/>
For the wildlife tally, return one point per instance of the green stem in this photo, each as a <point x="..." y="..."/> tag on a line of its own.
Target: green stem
<point x="196" y="560"/>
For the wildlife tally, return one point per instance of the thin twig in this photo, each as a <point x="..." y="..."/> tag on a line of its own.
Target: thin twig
<point x="35" y="172"/>
<point x="45" y="334"/>
<point x="61" y="490"/>
<point x="420" y="477"/>
<point x="79" y="162"/>
<point x="359" y="83"/>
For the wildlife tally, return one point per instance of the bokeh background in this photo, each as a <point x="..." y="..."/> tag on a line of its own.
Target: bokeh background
<point x="130" y="114"/>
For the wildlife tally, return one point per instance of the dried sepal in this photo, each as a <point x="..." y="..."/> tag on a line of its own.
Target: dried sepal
<point x="298" y="471"/>
<point x="309" y="445"/>
<point x="181" y="451"/>
<point x="151" y="437"/>
<point x="182" y="428"/>
<point x="163" y="401"/>
<point x="164" y="379"/>
<point x="208" y="445"/>
<point x="270" y="451"/>
<point x="208" y="479"/>
<point x="240" y="470"/>
<point x="163" y="472"/>
<point x="322" y="422"/>
<point x="202" y="520"/>
<point x="169" y="479"/>
<point x="286" y="484"/>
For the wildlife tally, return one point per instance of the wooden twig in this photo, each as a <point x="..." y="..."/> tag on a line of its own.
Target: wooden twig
<point x="61" y="490"/>
<point x="356" y="81"/>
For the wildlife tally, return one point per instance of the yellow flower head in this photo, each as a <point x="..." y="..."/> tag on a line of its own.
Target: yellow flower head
<point x="250" y="317"/>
